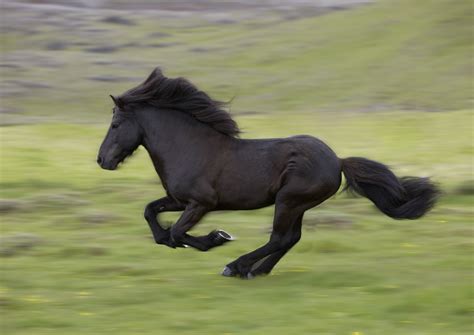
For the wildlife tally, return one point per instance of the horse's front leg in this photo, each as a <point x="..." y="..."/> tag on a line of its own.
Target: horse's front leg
<point x="160" y="234"/>
<point x="192" y="214"/>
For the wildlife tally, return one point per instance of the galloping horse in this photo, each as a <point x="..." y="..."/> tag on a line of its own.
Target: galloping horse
<point x="204" y="166"/>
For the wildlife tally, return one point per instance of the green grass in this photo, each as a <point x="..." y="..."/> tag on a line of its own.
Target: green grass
<point x="77" y="256"/>
<point x="91" y="265"/>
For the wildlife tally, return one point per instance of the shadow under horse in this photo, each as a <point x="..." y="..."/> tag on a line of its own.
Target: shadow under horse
<point x="204" y="166"/>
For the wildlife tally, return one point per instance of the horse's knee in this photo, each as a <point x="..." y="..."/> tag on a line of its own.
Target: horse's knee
<point x="176" y="234"/>
<point x="153" y="208"/>
<point x="149" y="212"/>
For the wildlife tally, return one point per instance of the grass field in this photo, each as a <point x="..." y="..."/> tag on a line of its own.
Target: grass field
<point x="391" y="81"/>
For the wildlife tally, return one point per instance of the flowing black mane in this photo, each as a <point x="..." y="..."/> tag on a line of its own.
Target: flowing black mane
<point x="178" y="93"/>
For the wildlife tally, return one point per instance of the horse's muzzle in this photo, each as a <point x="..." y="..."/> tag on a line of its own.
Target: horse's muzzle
<point x="106" y="165"/>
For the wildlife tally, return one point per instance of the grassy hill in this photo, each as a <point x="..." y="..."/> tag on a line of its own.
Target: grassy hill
<point x="389" y="55"/>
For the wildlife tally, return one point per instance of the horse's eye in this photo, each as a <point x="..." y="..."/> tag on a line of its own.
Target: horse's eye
<point x="115" y="125"/>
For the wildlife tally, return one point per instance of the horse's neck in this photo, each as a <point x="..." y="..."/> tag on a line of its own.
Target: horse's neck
<point x="172" y="138"/>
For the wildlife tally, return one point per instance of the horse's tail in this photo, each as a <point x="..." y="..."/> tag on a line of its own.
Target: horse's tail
<point x="399" y="198"/>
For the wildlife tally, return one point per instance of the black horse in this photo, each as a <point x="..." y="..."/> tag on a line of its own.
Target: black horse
<point x="203" y="165"/>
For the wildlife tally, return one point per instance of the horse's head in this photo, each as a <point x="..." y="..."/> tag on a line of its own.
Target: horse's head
<point x="123" y="137"/>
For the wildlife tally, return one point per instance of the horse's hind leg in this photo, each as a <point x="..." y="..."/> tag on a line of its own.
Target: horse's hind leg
<point x="267" y="265"/>
<point x="299" y="194"/>
<point x="281" y="240"/>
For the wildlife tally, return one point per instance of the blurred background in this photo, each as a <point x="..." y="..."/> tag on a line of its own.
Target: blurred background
<point x="387" y="80"/>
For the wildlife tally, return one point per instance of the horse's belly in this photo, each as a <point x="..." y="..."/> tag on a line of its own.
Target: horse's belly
<point x="244" y="204"/>
<point x="245" y="195"/>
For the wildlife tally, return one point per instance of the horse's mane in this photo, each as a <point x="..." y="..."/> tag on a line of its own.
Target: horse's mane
<point x="179" y="94"/>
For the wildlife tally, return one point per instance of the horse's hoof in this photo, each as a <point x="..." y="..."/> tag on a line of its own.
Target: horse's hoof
<point x="227" y="272"/>
<point x="224" y="235"/>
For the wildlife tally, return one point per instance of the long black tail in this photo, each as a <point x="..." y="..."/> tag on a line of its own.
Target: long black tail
<point x="399" y="198"/>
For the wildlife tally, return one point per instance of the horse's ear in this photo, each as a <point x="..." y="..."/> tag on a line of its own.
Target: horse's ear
<point x="155" y="74"/>
<point x="116" y="101"/>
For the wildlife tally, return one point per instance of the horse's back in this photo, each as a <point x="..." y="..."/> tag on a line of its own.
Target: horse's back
<point x="256" y="170"/>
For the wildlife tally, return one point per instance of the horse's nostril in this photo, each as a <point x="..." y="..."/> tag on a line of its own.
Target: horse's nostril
<point x="99" y="160"/>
